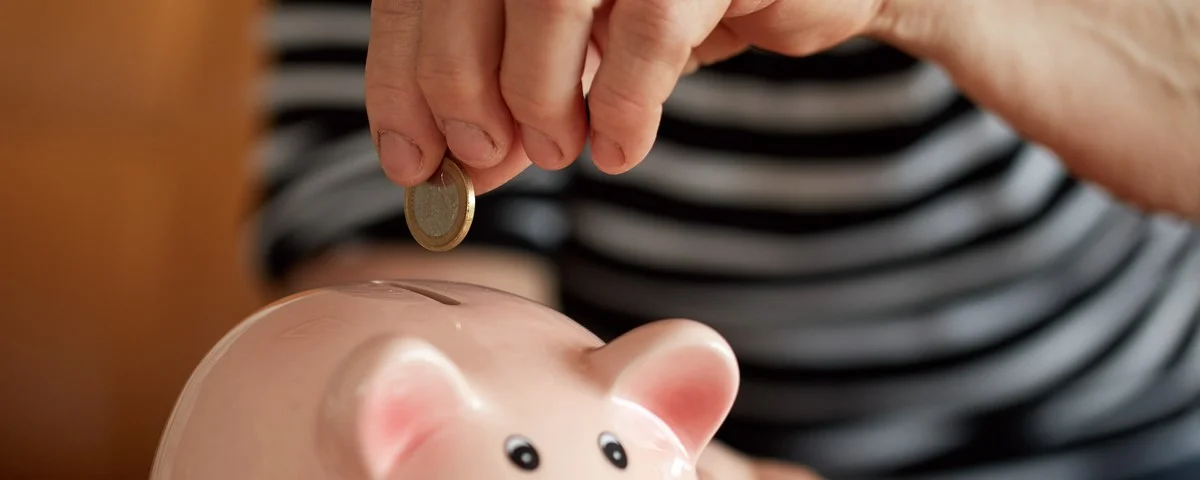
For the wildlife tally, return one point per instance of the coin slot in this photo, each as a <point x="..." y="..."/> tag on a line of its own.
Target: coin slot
<point x="437" y="297"/>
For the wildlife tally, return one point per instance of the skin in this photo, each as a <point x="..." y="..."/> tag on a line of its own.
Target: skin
<point x="1111" y="86"/>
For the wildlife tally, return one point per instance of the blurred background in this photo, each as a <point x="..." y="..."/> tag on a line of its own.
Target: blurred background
<point x="126" y="131"/>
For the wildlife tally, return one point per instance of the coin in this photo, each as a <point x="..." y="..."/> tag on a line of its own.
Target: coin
<point x="440" y="210"/>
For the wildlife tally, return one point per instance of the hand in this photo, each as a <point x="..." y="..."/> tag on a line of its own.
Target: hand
<point x="768" y="470"/>
<point x="502" y="82"/>
<point x="719" y="462"/>
<point x="1111" y="86"/>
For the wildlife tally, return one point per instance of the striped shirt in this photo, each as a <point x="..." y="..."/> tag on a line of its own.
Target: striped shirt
<point x="913" y="291"/>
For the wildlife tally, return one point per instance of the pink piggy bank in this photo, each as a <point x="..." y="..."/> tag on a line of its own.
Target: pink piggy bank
<point x="445" y="381"/>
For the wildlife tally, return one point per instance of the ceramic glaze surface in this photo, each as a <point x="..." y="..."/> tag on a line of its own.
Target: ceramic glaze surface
<point x="430" y="380"/>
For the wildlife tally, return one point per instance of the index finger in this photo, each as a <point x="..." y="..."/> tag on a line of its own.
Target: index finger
<point x="646" y="45"/>
<point x="410" y="145"/>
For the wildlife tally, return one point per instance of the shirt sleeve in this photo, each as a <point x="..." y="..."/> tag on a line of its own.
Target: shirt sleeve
<point x="322" y="186"/>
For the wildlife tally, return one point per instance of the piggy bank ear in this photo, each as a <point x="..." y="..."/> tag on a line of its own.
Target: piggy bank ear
<point x="681" y="371"/>
<point x="386" y="399"/>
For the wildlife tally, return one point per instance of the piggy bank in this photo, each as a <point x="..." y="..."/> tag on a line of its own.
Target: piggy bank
<point x="440" y="381"/>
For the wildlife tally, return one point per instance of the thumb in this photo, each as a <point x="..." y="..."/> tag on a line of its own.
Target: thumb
<point x="770" y="470"/>
<point x="803" y="27"/>
<point x="719" y="462"/>
<point x="720" y="45"/>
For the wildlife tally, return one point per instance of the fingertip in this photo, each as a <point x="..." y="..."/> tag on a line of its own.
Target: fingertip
<point x="608" y="155"/>
<point x="488" y="179"/>
<point x="693" y="65"/>
<point x="474" y="145"/>
<point x="401" y="158"/>
<point x="542" y="150"/>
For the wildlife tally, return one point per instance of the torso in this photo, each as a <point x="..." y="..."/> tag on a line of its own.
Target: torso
<point x="911" y="288"/>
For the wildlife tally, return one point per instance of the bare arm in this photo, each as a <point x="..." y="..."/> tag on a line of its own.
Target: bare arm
<point x="1112" y="86"/>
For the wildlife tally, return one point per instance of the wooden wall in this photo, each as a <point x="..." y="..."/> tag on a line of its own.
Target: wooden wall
<point x="125" y="131"/>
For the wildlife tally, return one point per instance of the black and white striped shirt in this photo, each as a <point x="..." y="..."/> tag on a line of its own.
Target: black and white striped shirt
<point x="912" y="290"/>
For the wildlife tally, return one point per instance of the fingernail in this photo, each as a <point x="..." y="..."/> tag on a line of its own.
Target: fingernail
<point x="471" y="144"/>
<point x="399" y="156"/>
<point x="540" y="148"/>
<point x="606" y="154"/>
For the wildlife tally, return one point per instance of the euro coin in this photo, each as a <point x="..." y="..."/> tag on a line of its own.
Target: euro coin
<point x="440" y="210"/>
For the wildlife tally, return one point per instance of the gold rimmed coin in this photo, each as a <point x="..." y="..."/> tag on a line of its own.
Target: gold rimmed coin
<point x="439" y="212"/>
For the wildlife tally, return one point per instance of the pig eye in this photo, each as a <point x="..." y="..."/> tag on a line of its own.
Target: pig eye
<point x="613" y="450"/>
<point x="521" y="453"/>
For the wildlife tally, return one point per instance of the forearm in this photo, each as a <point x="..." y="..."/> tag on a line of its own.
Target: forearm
<point x="1112" y="86"/>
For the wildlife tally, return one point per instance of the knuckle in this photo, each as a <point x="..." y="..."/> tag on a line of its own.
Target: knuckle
<point x="442" y="73"/>
<point x="387" y="92"/>
<point x="396" y="8"/>
<point x="395" y="105"/>
<point x="655" y="28"/>
<point x="527" y="102"/>
<point x="617" y="101"/>
<point x="557" y="8"/>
